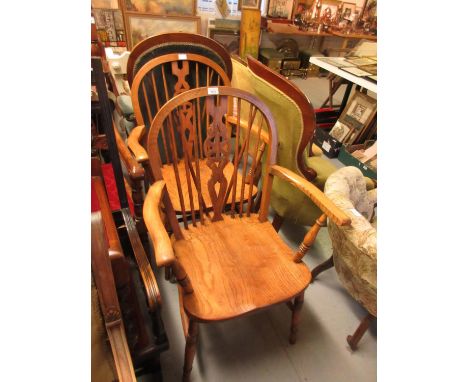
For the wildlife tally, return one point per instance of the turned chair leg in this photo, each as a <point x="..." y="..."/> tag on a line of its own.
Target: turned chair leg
<point x="363" y="326"/>
<point x="277" y="222"/>
<point x="296" y="310"/>
<point x="327" y="264"/>
<point x="190" y="348"/>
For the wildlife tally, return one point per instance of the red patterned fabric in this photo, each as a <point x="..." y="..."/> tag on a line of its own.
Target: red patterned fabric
<point x="112" y="193"/>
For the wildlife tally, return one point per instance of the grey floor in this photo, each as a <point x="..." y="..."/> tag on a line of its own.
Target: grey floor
<point x="256" y="348"/>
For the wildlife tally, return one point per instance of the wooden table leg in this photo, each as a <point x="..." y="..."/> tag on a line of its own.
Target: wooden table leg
<point x="327" y="264"/>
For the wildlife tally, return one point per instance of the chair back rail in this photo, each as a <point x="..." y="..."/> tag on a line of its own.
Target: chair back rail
<point x="177" y="43"/>
<point x="210" y="110"/>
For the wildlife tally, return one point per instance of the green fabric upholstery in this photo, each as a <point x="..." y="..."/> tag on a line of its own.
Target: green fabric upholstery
<point x="286" y="200"/>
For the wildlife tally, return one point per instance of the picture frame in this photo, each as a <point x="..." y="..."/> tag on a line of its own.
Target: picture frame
<point x="142" y="26"/>
<point x="110" y="26"/>
<point x="348" y="11"/>
<point x="252" y="4"/>
<point x="167" y="7"/>
<point x="105" y="4"/>
<point x="280" y="9"/>
<point x="332" y="4"/>
<point x="359" y="112"/>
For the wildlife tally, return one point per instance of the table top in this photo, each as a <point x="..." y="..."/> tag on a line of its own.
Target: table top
<point x="361" y="81"/>
<point x="293" y="29"/>
<point x="355" y="35"/>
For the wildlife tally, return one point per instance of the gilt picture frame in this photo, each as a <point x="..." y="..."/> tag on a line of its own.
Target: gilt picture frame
<point x="142" y="26"/>
<point x="161" y="7"/>
<point x="280" y="9"/>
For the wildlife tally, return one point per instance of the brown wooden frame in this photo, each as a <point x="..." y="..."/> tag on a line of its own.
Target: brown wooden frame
<point x="110" y="307"/>
<point x="307" y="110"/>
<point x="157" y="198"/>
<point x="129" y="15"/>
<point x="180" y="37"/>
<point x="194" y="9"/>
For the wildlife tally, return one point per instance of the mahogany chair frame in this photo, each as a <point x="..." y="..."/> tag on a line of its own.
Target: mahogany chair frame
<point x="144" y="349"/>
<point x="175" y="38"/>
<point x="109" y="302"/>
<point x="228" y="214"/>
<point x="307" y="110"/>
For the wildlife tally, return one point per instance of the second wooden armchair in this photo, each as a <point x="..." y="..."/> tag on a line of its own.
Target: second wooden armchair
<point x="228" y="260"/>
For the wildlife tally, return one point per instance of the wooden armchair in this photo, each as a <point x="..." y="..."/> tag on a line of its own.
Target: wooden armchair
<point x="228" y="260"/>
<point x="167" y="43"/>
<point x="295" y="120"/>
<point x="106" y="315"/>
<point x="135" y="282"/>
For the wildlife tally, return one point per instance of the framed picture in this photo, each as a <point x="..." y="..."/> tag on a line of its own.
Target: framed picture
<point x="141" y="27"/>
<point x="340" y="131"/>
<point x="110" y="26"/>
<point x="106" y="4"/>
<point x="348" y="11"/>
<point x="280" y="9"/>
<point x="359" y="112"/>
<point x="166" y="7"/>
<point x="328" y="7"/>
<point x="248" y="4"/>
<point x="229" y="39"/>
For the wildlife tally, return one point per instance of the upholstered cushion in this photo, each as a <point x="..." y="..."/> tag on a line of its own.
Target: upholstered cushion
<point x="322" y="166"/>
<point x="355" y="246"/>
<point x="286" y="200"/>
<point x="125" y="104"/>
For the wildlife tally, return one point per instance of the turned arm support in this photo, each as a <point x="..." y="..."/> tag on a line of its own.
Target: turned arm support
<point x="134" y="145"/>
<point x="162" y="244"/>
<point x="134" y="168"/>
<point x="328" y="208"/>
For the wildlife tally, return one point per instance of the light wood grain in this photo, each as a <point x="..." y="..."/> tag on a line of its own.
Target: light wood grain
<point x="134" y="145"/>
<point x="205" y="173"/>
<point x="317" y="196"/>
<point x="154" y="222"/>
<point x="237" y="266"/>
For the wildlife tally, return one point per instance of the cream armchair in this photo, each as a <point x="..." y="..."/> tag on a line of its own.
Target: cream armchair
<point x="354" y="246"/>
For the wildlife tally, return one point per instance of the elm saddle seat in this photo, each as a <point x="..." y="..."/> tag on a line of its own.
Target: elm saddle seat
<point x="228" y="260"/>
<point x="232" y="264"/>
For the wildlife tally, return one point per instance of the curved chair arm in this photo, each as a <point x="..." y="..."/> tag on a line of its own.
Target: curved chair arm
<point x="147" y="276"/>
<point x="134" y="144"/>
<point x="134" y="168"/>
<point x="320" y="199"/>
<point x="317" y="196"/>
<point x="154" y="222"/>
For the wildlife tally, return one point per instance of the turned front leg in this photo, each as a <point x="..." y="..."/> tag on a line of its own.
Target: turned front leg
<point x="296" y="310"/>
<point x="190" y="348"/>
<point x="310" y="238"/>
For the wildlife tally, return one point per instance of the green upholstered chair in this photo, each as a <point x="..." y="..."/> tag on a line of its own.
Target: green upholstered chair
<point x="295" y="120"/>
<point x="355" y="245"/>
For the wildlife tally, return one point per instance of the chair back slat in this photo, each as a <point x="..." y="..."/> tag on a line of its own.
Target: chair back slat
<point x="227" y="164"/>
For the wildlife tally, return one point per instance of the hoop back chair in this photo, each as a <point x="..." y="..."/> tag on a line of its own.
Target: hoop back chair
<point x="228" y="260"/>
<point x="167" y="43"/>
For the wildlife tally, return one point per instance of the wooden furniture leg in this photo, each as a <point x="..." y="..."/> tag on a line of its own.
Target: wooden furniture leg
<point x="296" y="310"/>
<point x="190" y="349"/>
<point x="327" y="264"/>
<point x="277" y="222"/>
<point x="363" y="326"/>
<point x="310" y="238"/>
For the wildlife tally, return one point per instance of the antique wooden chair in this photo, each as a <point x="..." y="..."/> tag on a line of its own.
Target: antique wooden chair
<point x="106" y="316"/>
<point x="354" y="246"/>
<point x="134" y="279"/>
<point x="228" y="260"/>
<point x="156" y="83"/>
<point x="167" y="43"/>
